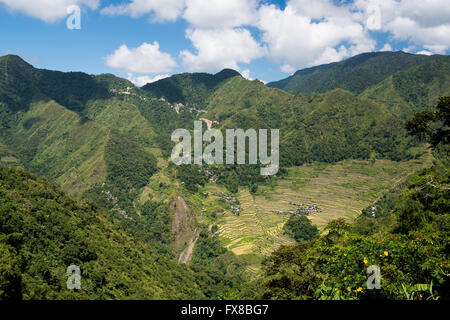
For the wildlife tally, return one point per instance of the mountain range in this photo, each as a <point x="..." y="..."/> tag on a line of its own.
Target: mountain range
<point x="103" y="140"/>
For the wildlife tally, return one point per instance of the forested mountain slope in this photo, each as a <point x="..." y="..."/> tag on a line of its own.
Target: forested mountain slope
<point x="354" y="74"/>
<point x="61" y="125"/>
<point x="413" y="89"/>
<point x="43" y="231"/>
<point x="405" y="234"/>
<point x="192" y="89"/>
<point x="102" y="139"/>
<point x="328" y="127"/>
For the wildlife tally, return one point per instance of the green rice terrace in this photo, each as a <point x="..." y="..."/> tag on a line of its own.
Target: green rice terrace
<point x="362" y="175"/>
<point x="253" y="224"/>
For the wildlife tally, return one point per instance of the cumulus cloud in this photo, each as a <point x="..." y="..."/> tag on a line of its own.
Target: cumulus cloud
<point x="145" y="59"/>
<point x="159" y="10"/>
<point x="220" y="13"/>
<point x="436" y="38"/>
<point x="246" y="74"/>
<point x="425" y="52"/>
<point x="47" y="10"/>
<point x="427" y="13"/>
<point x="217" y="33"/>
<point x="422" y="23"/>
<point x="220" y="48"/>
<point x="305" y="33"/>
<point x="386" y="47"/>
<point x="140" y="81"/>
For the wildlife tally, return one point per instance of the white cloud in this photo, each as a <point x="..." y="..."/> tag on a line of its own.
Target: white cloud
<point x="140" y="81"/>
<point x="435" y="38"/>
<point x="422" y="23"/>
<point x="159" y="10"/>
<point x="47" y="10"/>
<point x="303" y="34"/>
<point x="427" y="13"/>
<point x="321" y="10"/>
<point x="220" y="13"/>
<point x="309" y="33"/>
<point x="425" y="52"/>
<point x="220" y="48"/>
<point x="386" y="47"/>
<point x="246" y="74"/>
<point x="144" y="59"/>
<point x="437" y="48"/>
<point x="217" y="35"/>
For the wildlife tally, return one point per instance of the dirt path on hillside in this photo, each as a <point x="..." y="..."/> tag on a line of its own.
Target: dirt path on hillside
<point x="184" y="228"/>
<point x="186" y="254"/>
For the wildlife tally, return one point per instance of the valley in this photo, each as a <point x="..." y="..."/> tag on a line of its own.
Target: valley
<point x="342" y="190"/>
<point x="106" y="143"/>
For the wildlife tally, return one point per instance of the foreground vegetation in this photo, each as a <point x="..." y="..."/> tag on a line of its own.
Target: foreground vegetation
<point x="158" y="231"/>
<point x="413" y="251"/>
<point x="411" y="247"/>
<point x="43" y="231"/>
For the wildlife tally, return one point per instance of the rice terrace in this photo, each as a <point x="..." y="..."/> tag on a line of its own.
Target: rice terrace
<point x="231" y="158"/>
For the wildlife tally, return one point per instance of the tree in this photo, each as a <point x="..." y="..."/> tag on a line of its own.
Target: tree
<point x="301" y="229"/>
<point x="432" y="126"/>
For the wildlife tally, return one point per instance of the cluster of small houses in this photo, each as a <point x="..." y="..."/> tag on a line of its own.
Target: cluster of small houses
<point x="210" y="174"/>
<point x="178" y="107"/>
<point x="302" y="209"/>
<point x="128" y="92"/>
<point x="114" y="200"/>
<point x="234" y="204"/>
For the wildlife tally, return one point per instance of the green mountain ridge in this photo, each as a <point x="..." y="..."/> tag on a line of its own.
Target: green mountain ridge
<point x="189" y="88"/>
<point x="355" y="74"/>
<point x="106" y="149"/>
<point x="60" y="129"/>
<point x="43" y="232"/>
<point x="60" y="124"/>
<point x="411" y="90"/>
<point x="100" y="138"/>
<point x="23" y="84"/>
<point x="328" y="127"/>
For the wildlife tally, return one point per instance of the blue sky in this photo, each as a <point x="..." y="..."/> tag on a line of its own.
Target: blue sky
<point x="263" y="39"/>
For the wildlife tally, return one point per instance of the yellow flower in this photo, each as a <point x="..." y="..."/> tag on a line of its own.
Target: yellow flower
<point x="359" y="289"/>
<point x="386" y="253"/>
<point x="365" y="261"/>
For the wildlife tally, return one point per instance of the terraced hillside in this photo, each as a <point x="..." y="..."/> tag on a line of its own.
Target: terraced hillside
<point x="341" y="190"/>
<point x="103" y="139"/>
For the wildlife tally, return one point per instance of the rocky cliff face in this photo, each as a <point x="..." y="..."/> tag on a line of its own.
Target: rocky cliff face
<point x="184" y="227"/>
